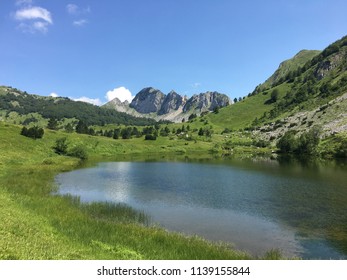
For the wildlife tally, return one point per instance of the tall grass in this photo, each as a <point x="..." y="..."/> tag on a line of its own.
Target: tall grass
<point x="34" y="224"/>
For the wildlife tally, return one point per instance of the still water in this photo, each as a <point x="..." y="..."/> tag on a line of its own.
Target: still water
<point x="300" y="209"/>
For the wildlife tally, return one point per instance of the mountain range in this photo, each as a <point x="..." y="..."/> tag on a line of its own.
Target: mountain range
<point x="308" y="89"/>
<point x="152" y="103"/>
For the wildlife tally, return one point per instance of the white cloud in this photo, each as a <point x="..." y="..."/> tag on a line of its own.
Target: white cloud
<point x="77" y="13"/>
<point x="53" y="94"/>
<point x="80" y="22"/>
<point x="23" y="2"/>
<point x="40" y="26"/>
<point x="196" y="85"/>
<point x="75" y="10"/>
<point x="34" y="13"/>
<point x="33" y="19"/>
<point x="121" y="93"/>
<point x="72" y="9"/>
<point x="95" y="101"/>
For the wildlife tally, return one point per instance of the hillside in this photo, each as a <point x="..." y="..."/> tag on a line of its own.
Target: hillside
<point x="306" y="91"/>
<point x="288" y="66"/>
<point x="28" y="106"/>
<point x="309" y="82"/>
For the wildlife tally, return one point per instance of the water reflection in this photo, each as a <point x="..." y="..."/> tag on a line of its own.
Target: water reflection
<point x="255" y="205"/>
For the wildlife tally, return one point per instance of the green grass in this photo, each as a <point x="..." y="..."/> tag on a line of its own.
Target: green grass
<point x="289" y="65"/>
<point x="34" y="224"/>
<point x="242" y="114"/>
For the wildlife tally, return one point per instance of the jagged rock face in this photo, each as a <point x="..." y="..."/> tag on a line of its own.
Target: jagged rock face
<point x="328" y="65"/>
<point x="172" y="107"/>
<point x="207" y="101"/>
<point x="118" y="105"/>
<point x="148" y="100"/>
<point x="171" y="103"/>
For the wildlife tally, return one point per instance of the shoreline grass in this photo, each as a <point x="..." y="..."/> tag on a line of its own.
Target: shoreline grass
<point x="38" y="225"/>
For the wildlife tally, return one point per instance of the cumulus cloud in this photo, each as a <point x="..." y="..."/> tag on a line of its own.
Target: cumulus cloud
<point x="33" y="19"/>
<point x="121" y="93"/>
<point x="95" y="101"/>
<point x="34" y="13"/>
<point x="53" y="94"/>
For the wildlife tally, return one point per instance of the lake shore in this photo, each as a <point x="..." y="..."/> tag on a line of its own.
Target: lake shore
<point x="38" y="225"/>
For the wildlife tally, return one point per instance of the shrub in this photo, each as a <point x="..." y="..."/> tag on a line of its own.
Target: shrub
<point x="79" y="152"/>
<point x="288" y="142"/>
<point x="192" y="116"/>
<point x="33" y="132"/>
<point x="260" y="143"/>
<point x="226" y="130"/>
<point x="61" y="146"/>
<point x="150" y="137"/>
<point x="308" y="141"/>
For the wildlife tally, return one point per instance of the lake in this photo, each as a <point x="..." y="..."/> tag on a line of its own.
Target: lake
<point x="257" y="205"/>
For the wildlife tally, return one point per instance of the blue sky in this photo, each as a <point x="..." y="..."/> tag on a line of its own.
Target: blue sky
<point x="99" y="49"/>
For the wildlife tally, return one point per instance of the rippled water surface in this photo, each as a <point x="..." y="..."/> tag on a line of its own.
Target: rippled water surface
<point x="257" y="206"/>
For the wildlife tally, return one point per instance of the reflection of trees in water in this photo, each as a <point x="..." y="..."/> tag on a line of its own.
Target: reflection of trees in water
<point x="317" y="203"/>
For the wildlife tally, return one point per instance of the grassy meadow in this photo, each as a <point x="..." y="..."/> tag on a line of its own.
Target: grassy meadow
<point x="36" y="224"/>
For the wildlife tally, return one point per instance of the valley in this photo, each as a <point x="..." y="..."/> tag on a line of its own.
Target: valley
<point x="300" y="112"/>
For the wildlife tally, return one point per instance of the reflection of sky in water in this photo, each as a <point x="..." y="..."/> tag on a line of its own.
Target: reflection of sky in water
<point x="253" y="210"/>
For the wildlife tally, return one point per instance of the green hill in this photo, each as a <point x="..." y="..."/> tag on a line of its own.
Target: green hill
<point x="308" y="82"/>
<point x="308" y="90"/>
<point x="288" y="66"/>
<point x="24" y="105"/>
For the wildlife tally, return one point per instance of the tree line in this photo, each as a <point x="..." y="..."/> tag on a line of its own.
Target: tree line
<point x="59" y="108"/>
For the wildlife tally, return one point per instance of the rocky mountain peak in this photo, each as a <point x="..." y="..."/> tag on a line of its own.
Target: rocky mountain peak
<point x="172" y="102"/>
<point x="207" y="101"/>
<point x="148" y="100"/>
<point x="173" y="106"/>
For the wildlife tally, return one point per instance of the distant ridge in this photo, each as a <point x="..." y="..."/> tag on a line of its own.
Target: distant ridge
<point x="152" y="103"/>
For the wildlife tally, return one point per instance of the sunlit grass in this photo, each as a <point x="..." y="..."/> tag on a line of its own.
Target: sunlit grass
<point x="34" y="224"/>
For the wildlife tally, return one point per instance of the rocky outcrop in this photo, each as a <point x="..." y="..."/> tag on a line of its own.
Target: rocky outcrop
<point x="118" y="105"/>
<point x="152" y="103"/>
<point x="329" y="64"/>
<point x="207" y="101"/>
<point x="148" y="100"/>
<point x="172" y="102"/>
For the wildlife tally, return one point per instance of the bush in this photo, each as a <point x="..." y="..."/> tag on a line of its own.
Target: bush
<point x="150" y="137"/>
<point x="61" y="146"/>
<point x="33" y="132"/>
<point x="192" y="116"/>
<point x="341" y="151"/>
<point x="226" y="130"/>
<point x="79" y="152"/>
<point x="260" y="143"/>
<point x="307" y="143"/>
<point x="287" y="143"/>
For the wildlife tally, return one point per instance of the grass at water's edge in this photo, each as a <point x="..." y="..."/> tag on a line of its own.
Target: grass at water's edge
<point x="34" y="224"/>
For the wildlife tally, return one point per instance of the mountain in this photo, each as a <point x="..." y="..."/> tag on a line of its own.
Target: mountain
<point x="152" y="103"/>
<point x="14" y="101"/>
<point x="306" y="90"/>
<point x="148" y="100"/>
<point x="309" y="89"/>
<point x="290" y="65"/>
<point x="172" y="102"/>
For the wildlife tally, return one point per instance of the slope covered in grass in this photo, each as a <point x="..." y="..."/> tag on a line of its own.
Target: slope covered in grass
<point x="34" y="224"/>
